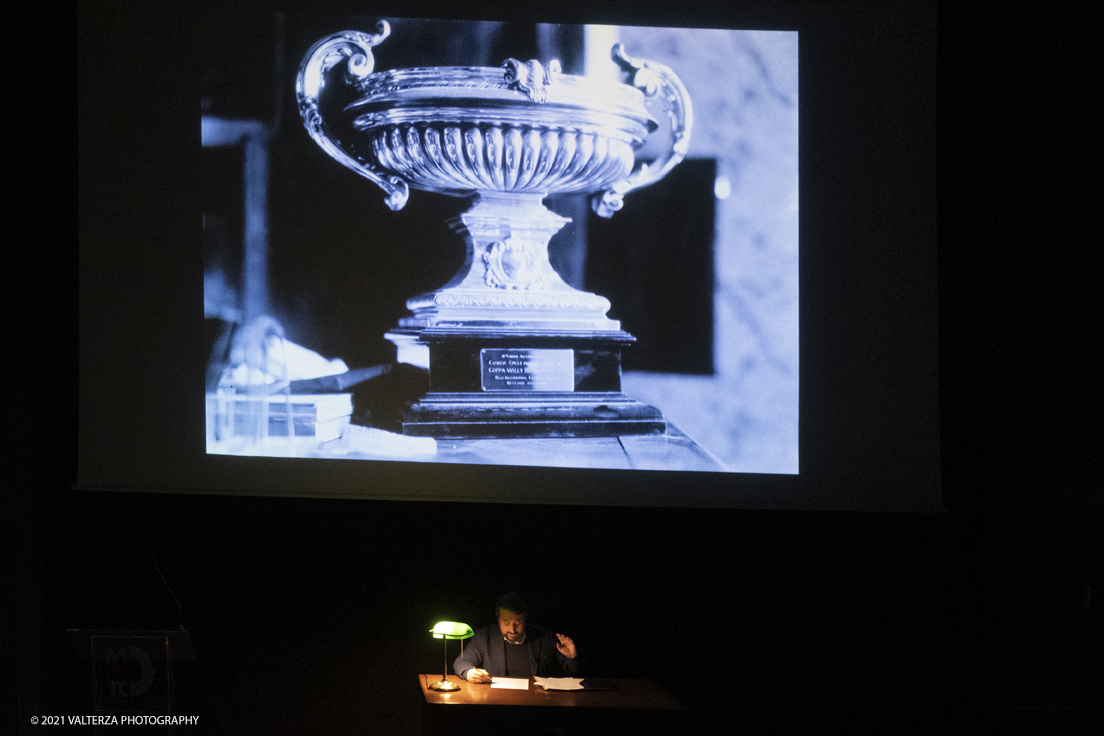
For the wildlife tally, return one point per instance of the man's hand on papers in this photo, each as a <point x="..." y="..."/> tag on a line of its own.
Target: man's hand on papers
<point x="478" y="676"/>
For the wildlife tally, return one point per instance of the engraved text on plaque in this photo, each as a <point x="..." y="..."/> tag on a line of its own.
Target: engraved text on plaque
<point x="523" y="369"/>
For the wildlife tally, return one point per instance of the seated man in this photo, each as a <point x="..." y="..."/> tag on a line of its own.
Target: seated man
<point x="512" y="649"/>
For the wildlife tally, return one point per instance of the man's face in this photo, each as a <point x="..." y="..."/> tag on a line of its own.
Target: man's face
<point x="512" y="625"/>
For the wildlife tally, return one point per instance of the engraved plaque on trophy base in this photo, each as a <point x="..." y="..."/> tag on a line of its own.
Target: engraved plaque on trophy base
<point x="523" y="384"/>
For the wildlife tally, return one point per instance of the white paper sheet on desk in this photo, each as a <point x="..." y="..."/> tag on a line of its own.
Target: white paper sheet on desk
<point x="372" y="441"/>
<point x="511" y="683"/>
<point x="559" y="683"/>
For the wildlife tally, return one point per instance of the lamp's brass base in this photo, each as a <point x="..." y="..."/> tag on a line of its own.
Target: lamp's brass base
<point x="444" y="686"/>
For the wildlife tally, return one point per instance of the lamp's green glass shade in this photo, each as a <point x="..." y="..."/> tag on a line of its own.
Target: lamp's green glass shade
<point x="451" y="630"/>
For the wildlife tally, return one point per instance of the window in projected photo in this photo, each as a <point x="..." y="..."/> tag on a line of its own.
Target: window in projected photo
<point x="499" y="243"/>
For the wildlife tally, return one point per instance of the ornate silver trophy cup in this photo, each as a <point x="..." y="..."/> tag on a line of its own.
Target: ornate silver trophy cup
<point x="512" y="350"/>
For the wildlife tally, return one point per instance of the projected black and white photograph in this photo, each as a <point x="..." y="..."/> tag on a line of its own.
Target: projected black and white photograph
<point x="500" y="243"/>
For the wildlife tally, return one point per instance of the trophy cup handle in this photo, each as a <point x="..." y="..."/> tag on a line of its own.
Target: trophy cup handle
<point x="650" y="77"/>
<point x="309" y="86"/>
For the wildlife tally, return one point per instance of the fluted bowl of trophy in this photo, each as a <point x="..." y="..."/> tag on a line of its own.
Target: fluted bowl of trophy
<point x="512" y="350"/>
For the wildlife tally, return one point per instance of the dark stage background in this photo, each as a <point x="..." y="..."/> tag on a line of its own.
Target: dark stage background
<point x="311" y="615"/>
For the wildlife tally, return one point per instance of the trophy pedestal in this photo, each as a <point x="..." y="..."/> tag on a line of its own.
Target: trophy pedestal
<point x="513" y="351"/>
<point x="513" y="384"/>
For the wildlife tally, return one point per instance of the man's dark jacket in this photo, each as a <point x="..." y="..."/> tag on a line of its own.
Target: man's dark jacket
<point x="487" y="650"/>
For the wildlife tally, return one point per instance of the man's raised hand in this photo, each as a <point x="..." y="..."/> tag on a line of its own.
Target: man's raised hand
<point x="566" y="646"/>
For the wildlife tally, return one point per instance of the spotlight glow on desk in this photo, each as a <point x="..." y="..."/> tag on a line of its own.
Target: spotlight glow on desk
<point x="449" y="630"/>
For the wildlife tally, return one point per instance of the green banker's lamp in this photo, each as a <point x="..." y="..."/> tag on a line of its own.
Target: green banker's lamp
<point x="450" y="630"/>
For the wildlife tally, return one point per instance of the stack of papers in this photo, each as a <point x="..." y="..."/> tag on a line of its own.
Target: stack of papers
<point x="560" y="683"/>
<point x="511" y="683"/>
<point x="321" y="416"/>
<point x="371" y="441"/>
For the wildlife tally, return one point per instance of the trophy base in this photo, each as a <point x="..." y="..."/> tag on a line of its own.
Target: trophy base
<point x="518" y="384"/>
<point x="556" y="415"/>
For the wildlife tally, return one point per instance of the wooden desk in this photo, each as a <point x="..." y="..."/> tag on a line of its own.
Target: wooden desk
<point x="618" y="706"/>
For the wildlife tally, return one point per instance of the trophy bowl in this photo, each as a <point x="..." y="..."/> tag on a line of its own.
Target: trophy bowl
<point x="478" y="134"/>
<point x="507" y="138"/>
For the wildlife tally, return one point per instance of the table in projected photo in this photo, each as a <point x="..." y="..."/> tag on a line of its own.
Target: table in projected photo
<point x="605" y="706"/>
<point x="238" y="433"/>
<point x="670" y="451"/>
